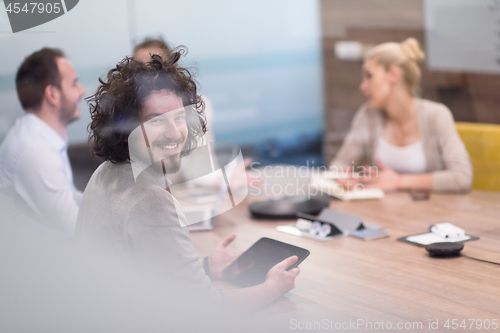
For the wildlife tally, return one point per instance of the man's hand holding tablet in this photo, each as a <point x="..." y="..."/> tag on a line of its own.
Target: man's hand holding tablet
<point x="267" y="261"/>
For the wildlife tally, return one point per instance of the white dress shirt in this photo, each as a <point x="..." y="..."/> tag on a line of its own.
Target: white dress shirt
<point x="406" y="159"/>
<point x="35" y="175"/>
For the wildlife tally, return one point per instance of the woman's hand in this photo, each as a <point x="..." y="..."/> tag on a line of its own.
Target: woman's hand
<point x="386" y="179"/>
<point x="221" y="258"/>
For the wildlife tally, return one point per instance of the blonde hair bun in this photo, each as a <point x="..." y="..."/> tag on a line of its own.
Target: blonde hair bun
<point x="411" y="49"/>
<point x="407" y="55"/>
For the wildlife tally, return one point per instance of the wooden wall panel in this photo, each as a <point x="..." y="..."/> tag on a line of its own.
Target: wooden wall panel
<point x="484" y="85"/>
<point x="339" y="15"/>
<point x="487" y="110"/>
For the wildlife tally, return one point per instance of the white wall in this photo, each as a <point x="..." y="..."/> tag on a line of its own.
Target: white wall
<point x="91" y="36"/>
<point x="258" y="61"/>
<point x="463" y="35"/>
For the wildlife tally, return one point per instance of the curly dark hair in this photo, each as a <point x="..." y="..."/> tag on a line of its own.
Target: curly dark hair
<point x="116" y="105"/>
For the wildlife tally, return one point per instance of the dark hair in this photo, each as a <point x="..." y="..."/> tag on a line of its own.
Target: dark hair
<point x="116" y="105"/>
<point x="158" y="43"/>
<point x="35" y="73"/>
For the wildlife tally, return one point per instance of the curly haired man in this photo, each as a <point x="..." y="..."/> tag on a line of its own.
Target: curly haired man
<point x="145" y="117"/>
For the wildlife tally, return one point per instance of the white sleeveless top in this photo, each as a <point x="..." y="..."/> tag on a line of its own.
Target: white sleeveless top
<point x="407" y="159"/>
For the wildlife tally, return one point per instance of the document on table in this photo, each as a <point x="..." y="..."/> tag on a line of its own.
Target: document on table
<point x="334" y="189"/>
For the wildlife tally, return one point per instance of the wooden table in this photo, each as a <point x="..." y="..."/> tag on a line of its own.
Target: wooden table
<point x="347" y="280"/>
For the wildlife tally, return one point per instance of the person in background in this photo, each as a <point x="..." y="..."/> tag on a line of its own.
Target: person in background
<point x="36" y="180"/>
<point x="158" y="101"/>
<point x="412" y="141"/>
<point x="149" y="46"/>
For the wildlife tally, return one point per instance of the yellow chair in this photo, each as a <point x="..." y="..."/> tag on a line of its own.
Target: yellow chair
<point x="483" y="144"/>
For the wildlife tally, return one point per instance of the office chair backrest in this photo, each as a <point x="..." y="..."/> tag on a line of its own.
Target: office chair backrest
<point x="483" y="144"/>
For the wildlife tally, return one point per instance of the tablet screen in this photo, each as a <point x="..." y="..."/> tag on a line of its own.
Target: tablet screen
<point x="252" y="266"/>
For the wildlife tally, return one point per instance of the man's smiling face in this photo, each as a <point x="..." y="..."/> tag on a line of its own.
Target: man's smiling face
<point x="164" y="122"/>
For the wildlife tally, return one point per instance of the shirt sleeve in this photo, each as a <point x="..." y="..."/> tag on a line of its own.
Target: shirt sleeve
<point x="43" y="184"/>
<point x="457" y="175"/>
<point x="156" y="231"/>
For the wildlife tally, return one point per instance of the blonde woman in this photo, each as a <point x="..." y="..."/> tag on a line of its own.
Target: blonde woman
<point x="412" y="141"/>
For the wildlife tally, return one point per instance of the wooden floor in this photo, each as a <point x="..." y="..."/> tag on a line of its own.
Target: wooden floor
<point x="347" y="280"/>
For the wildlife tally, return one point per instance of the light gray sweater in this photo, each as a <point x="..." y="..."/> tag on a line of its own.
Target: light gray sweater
<point x="445" y="153"/>
<point x="142" y="222"/>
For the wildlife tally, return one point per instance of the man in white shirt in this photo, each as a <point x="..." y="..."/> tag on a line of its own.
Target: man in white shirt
<point x="36" y="181"/>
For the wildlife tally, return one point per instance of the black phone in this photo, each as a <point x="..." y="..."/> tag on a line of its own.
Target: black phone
<point x="419" y="195"/>
<point x="252" y="266"/>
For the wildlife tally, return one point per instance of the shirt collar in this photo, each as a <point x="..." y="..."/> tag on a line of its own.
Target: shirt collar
<point x="48" y="133"/>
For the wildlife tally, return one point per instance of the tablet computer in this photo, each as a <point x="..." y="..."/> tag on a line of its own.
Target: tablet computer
<point x="253" y="265"/>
